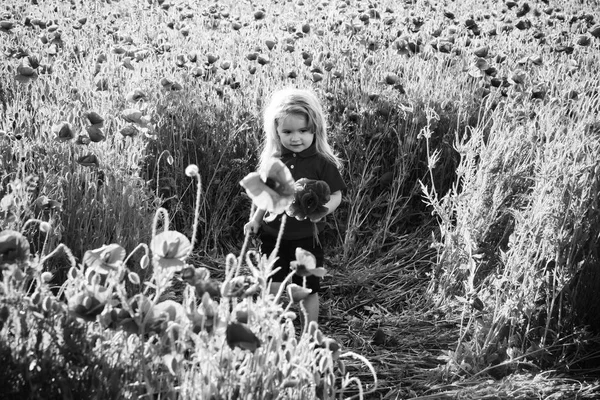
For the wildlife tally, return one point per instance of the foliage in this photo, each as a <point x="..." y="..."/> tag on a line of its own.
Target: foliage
<point x="220" y="340"/>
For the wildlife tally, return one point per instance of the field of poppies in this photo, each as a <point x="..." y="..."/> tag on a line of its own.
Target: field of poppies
<point x="462" y="263"/>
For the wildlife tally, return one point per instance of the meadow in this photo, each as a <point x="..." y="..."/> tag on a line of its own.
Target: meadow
<point x="462" y="263"/>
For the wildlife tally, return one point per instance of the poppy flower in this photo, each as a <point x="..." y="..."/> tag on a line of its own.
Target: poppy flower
<point x="136" y="95"/>
<point x="123" y="319"/>
<point x="298" y="293"/>
<point x="95" y="119"/>
<point x="306" y="264"/>
<point x="240" y="335"/>
<point x="25" y="68"/>
<point x="272" y="188"/>
<point x="89" y="160"/>
<point x="391" y="78"/>
<point x="95" y="133"/>
<point x="132" y="115"/>
<point x="199" y="278"/>
<point x="14" y="247"/>
<point x="310" y="197"/>
<point x="482" y="51"/>
<point x="89" y="302"/>
<point x="270" y="44"/>
<point x="6" y="25"/>
<point x="240" y="286"/>
<point x="170" y="248"/>
<point x="44" y="203"/>
<point x="165" y="311"/>
<point x="63" y="131"/>
<point x="333" y="346"/>
<point x="263" y="59"/>
<point x="105" y="259"/>
<point x="129" y="130"/>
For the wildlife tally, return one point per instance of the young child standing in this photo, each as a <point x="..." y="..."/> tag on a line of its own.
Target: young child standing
<point x="296" y="132"/>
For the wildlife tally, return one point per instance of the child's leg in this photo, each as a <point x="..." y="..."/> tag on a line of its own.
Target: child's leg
<point x="311" y="305"/>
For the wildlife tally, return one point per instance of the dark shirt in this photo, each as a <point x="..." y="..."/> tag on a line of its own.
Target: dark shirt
<point x="308" y="164"/>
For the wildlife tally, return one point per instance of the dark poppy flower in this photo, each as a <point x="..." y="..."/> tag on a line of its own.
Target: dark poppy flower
<point x="63" y="131"/>
<point x="25" y="68"/>
<point x="240" y="335"/>
<point x="95" y="133"/>
<point x="14" y="247"/>
<point x="136" y="95"/>
<point x="6" y="25"/>
<point x="89" y="160"/>
<point x="170" y="248"/>
<point x="94" y="118"/>
<point x="129" y="130"/>
<point x="89" y="302"/>
<point x="333" y="346"/>
<point x="123" y="319"/>
<point x="306" y="264"/>
<point x="272" y="188"/>
<point x="310" y="197"/>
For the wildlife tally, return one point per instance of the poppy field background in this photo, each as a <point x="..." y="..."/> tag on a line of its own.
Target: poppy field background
<point x="463" y="259"/>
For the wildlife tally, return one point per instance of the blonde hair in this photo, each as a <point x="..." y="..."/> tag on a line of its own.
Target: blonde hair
<point x="288" y="101"/>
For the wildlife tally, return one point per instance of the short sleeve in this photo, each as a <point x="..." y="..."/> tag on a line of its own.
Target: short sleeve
<point x="331" y="175"/>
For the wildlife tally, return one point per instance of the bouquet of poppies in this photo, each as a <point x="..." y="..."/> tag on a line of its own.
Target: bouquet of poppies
<point x="310" y="197"/>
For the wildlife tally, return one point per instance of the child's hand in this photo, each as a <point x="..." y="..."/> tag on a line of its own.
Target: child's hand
<point x="251" y="227"/>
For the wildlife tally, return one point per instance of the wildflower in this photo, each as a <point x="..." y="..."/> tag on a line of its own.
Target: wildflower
<point x="242" y="312"/>
<point x="240" y="286"/>
<point x="136" y="95"/>
<point x="333" y="346"/>
<point x="298" y="293"/>
<point x="95" y="133"/>
<point x="191" y="170"/>
<point x="163" y="312"/>
<point x="310" y="196"/>
<point x="88" y="160"/>
<point x="239" y="335"/>
<point x="306" y="264"/>
<point x="89" y="302"/>
<point x="46" y="276"/>
<point x="170" y="248"/>
<point x="14" y="247"/>
<point x="129" y="130"/>
<point x="63" y="131"/>
<point x="271" y="189"/>
<point x="132" y="115"/>
<point x="199" y="278"/>
<point x="105" y="259"/>
<point x="95" y="119"/>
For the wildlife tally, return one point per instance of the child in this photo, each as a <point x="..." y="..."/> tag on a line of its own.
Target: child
<point x="295" y="132"/>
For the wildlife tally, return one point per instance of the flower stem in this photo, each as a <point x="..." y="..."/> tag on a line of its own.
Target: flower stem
<point x="196" y="215"/>
<point x="279" y="236"/>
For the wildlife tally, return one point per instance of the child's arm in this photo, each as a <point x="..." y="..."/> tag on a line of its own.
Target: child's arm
<point x="254" y="224"/>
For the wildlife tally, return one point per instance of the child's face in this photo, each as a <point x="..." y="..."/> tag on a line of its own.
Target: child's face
<point x="294" y="132"/>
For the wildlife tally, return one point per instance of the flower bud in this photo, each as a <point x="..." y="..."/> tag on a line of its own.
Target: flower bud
<point x="191" y="170"/>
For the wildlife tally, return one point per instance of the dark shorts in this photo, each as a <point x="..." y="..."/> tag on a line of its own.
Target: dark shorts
<point x="287" y="253"/>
